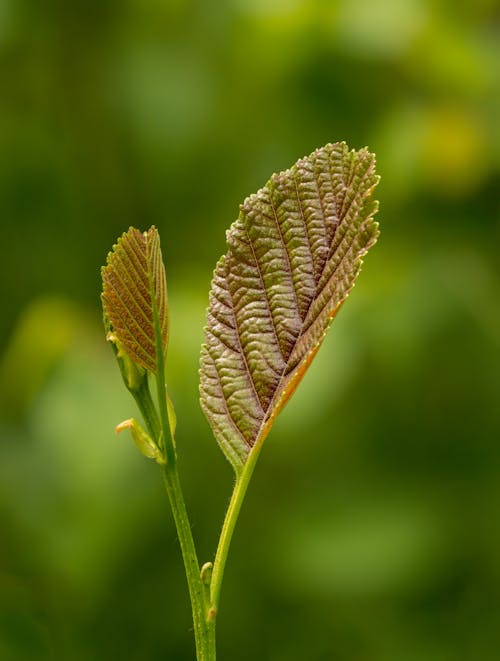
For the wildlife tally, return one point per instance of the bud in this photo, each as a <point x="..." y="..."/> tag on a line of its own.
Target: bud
<point x="206" y="573"/>
<point x="133" y="374"/>
<point x="172" y="418"/>
<point x="143" y="441"/>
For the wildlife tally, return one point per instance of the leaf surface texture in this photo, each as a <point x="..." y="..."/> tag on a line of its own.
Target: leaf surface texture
<point x="293" y="256"/>
<point x="134" y="295"/>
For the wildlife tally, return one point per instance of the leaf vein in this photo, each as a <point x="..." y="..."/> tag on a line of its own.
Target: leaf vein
<point x="243" y="354"/>
<point x="308" y="240"/>
<point x="226" y="404"/>
<point x="285" y="250"/>
<point x="264" y="289"/>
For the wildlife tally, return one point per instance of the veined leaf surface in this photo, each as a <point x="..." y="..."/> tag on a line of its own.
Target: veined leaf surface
<point x="293" y="257"/>
<point x="134" y="295"/>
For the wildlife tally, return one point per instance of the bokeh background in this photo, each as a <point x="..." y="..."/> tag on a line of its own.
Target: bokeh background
<point x="371" y="531"/>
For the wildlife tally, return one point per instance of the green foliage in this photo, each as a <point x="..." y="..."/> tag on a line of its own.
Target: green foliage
<point x="293" y="256"/>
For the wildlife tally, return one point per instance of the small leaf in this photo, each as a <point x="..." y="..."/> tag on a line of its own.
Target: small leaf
<point x="172" y="417"/>
<point x="142" y="440"/>
<point x="293" y="257"/>
<point x="134" y="376"/>
<point x="206" y="573"/>
<point x="135" y="295"/>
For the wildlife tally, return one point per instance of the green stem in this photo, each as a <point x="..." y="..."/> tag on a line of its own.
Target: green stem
<point x="204" y="637"/>
<point x="205" y="648"/>
<point x="146" y="406"/>
<point x="196" y="590"/>
<point x="233" y="511"/>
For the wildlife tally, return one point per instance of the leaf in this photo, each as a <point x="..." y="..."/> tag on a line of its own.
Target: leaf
<point x="142" y="440"/>
<point x="172" y="417"/>
<point x="293" y="256"/>
<point x="134" y="295"/>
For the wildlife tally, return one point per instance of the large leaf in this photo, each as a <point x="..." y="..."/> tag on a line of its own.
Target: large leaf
<point x="293" y="256"/>
<point x="134" y="295"/>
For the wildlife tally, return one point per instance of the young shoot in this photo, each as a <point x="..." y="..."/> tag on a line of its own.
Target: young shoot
<point x="293" y="256"/>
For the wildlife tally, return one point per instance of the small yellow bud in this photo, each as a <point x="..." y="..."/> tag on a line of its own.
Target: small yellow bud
<point x="143" y="441"/>
<point x="133" y="374"/>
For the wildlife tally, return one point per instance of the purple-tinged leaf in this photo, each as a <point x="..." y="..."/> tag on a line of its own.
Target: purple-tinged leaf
<point x="293" y="257"/>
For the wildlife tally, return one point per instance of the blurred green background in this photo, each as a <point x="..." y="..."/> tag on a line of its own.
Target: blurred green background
<point x="371" y="531"/>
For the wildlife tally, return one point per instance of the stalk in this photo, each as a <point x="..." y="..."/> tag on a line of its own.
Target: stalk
<point x="232" y="514"/>
<point x="199" y="607"/>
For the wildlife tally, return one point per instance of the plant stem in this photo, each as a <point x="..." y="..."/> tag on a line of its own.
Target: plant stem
<point x="233" y="511"/>
<point x="196" y="590"/>
<point x="146" y="406"/>
<point x="204" y="636"/>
